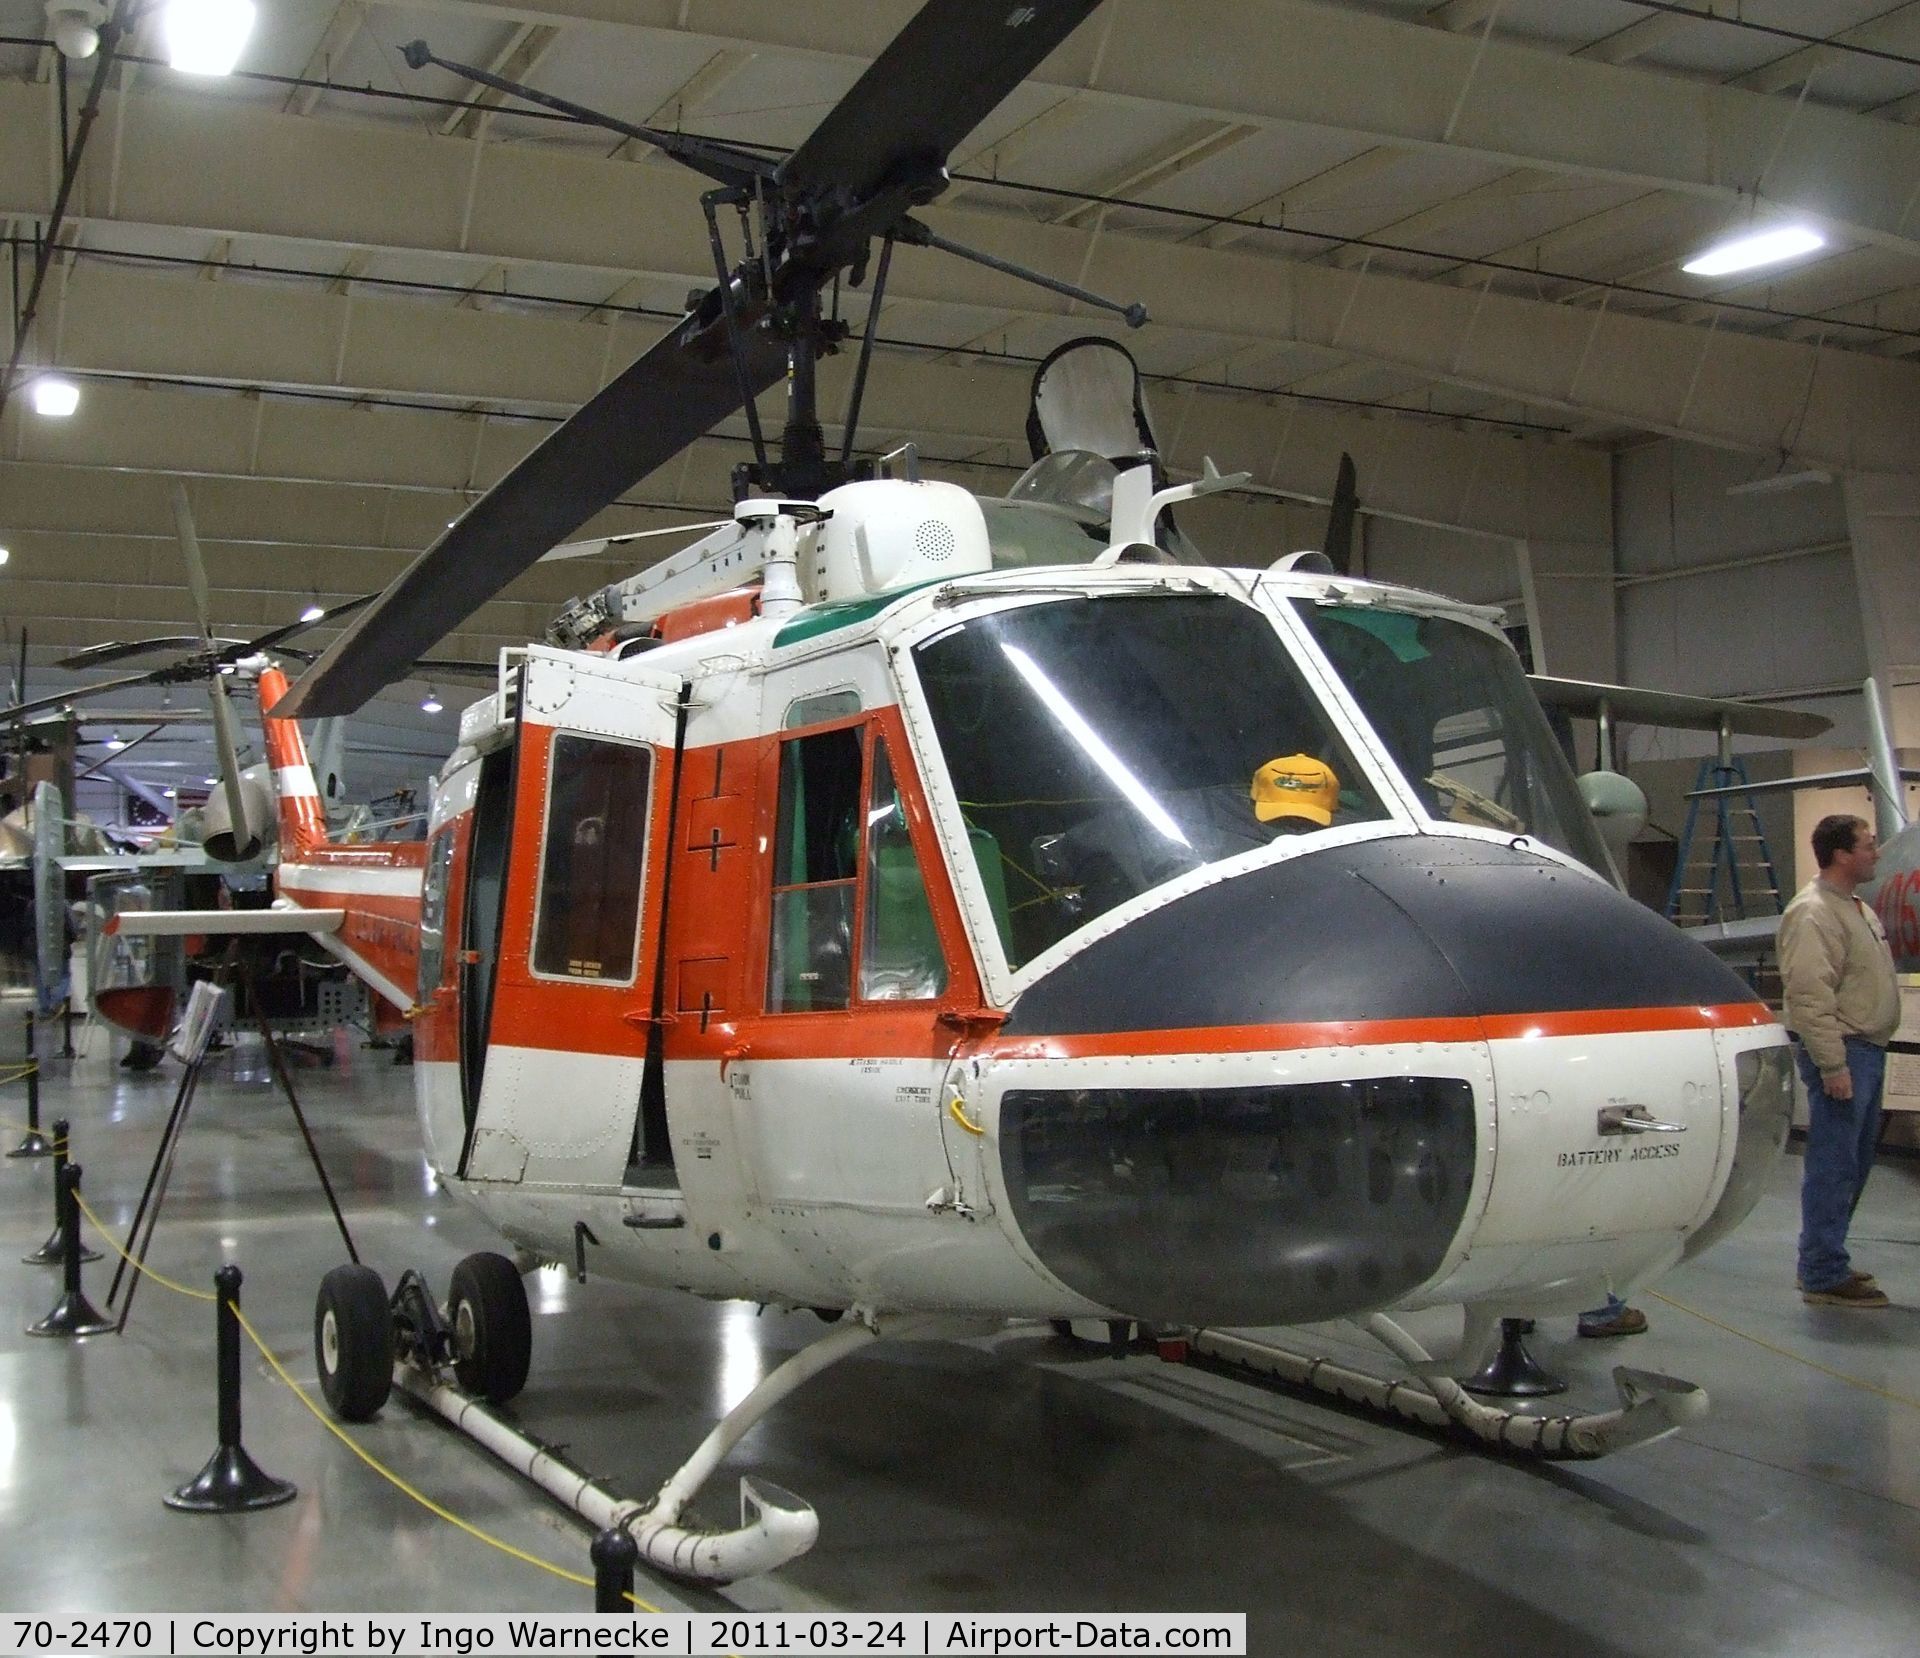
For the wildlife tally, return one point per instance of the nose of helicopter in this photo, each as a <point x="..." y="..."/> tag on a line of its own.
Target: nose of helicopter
<point x="1270" y="1100"/>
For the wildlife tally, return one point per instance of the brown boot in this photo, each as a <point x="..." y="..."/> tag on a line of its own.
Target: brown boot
<point x="1847" y="1293"/>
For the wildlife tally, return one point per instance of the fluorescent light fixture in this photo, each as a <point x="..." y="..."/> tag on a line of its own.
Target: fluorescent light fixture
<point x="205" y="37"/>
<point x="5" y="554"/>
<point x="210" y="781"/>
<point x="54" y="397"/>
<point x="313" y="612"/>
<point x="431" y="703"/>
<point x="1778" y="482"/>
<point x="1762" y="247"/>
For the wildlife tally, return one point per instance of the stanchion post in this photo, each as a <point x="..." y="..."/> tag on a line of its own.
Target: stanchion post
<point x="232" y="1482"/>
<point x="50" y="1251"/>
<point x="614" y="1554"/>
<point x="35" y="1144"/>
<point x="73" y="1314"/>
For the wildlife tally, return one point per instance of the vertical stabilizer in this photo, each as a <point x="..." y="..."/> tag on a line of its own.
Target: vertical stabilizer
<point x="303" y="820"/>
<point x="1889" y="803"/>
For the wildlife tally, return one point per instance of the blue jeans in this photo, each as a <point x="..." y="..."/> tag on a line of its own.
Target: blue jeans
<point x="1840" y="1146"/>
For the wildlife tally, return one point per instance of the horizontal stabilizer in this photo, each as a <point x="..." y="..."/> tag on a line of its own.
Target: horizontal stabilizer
<point x="1859" y="777"/>
<point x="1671" y="708"/>
<point x="180" y="923"/>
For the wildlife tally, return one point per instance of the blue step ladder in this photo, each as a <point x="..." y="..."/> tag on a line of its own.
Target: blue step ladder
<point x="1737" y="860"/>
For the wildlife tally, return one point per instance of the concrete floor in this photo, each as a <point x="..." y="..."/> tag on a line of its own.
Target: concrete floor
<point x="1016" y="1474"/>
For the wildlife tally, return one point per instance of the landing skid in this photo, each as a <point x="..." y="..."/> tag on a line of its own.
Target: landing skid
<point x="1651" y="1405"/>
<point x="776" y="1525"/>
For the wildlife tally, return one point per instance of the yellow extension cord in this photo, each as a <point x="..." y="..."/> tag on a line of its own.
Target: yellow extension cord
<point x="1788" y="1353"/>
<point x="337" y="1431"/>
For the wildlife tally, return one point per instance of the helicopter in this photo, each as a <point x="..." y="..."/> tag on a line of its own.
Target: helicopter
<point x="936" y="910"/>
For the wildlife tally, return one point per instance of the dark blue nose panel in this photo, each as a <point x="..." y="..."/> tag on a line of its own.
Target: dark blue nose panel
<point x="1270" y="1205"/>
<point x="1414" y="927"/>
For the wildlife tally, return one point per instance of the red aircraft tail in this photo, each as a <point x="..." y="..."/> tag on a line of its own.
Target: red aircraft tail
<point x="303" y="821"/>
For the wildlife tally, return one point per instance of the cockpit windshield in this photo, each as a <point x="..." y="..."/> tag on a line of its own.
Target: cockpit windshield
<point x="1452" y="706"/>
<point x="1102" y="746"/>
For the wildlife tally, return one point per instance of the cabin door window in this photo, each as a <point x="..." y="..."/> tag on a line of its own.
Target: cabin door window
<point x="593" y="860"/>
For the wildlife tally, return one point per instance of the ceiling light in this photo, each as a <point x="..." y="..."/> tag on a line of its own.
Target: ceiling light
<point x="76" y="26"/>
<point x="205" y="37"/>
<point x="210" y="781"/>
<point x="431" y="703"/>
<point x="1762" y="247"/>
<point x="171" y="794"/>
<point x="313" y="612"/>
<point x="115" y="741"/>
<point x="54" y="397"/>
<point x="5" y="554"/>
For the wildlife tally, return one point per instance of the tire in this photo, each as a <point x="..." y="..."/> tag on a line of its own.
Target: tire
<point x="492" y="1329"/>
<point x="353" y="1342"/>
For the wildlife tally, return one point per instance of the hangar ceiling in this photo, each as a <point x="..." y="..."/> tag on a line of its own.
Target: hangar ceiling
<point x="339" y="297"/>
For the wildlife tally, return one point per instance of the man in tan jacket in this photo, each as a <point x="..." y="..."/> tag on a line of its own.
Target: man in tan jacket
<point x="1843" y="1005"/>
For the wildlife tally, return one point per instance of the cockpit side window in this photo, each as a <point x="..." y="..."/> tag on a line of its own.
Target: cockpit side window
<point x="900" y="955"/>
<point x="845" y="868"/>
<point x="1453" y="708"/>
<point x="815" y="872"/>
<point x="1101" y="747"/>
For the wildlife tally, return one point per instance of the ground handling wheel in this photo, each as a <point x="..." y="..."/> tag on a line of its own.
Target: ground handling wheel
<point x="353" y="1342"/>
<point x="491" y="1328"/>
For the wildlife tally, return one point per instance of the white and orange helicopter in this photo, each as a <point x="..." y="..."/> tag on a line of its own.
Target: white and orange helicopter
<point x="939" y="910"/>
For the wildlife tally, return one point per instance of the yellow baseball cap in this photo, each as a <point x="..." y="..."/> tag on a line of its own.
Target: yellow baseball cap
<point x="1296" y="785"/>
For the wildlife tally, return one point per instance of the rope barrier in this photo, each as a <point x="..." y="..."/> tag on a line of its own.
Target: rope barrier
<point x="24" y="1128"/>
<point x="397" y="1481"/>
<point x="18" y="1072"/>
<point x="113" y="1243"/>
<point x="1788" y="1353"/>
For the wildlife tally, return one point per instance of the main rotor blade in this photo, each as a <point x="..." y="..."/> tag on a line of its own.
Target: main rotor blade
<point x="267" y="641"/>
<point x="119" y="650"/>
<point x="20" y="710"/>
<point x="196" y="570"/>
<point x="673" y="394"/>
<point x="1340" y="516"/>
<point x="941" y="76"/>
<point x="228" y="740"/>
<point x="225" y="734"/>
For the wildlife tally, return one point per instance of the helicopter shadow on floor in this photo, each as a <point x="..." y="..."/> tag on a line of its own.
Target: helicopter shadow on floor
<point x="965" y="1479"/>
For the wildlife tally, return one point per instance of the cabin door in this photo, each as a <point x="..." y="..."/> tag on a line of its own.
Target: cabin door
<point x="573" y="999"/>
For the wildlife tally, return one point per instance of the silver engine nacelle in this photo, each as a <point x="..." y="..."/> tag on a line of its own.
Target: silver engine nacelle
<point x="220" y="839"/>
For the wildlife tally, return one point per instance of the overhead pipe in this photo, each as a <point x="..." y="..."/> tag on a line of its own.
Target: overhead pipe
<point x="110" y="36"/>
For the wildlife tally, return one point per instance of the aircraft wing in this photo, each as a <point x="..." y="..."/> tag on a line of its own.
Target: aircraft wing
<point x="1745" y="940"/>
<point x="1670" y="708"/>
<point x="180" y="923"/>
<point x="1859" y="776"/>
